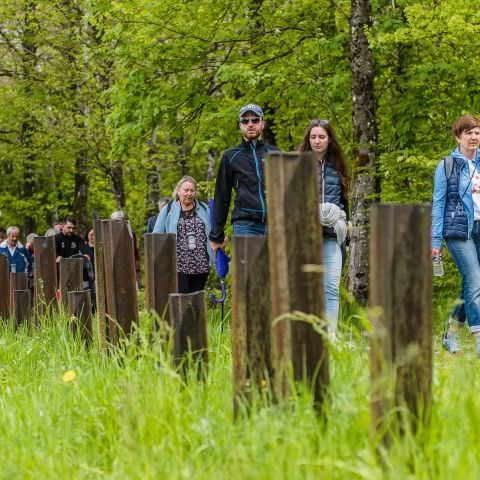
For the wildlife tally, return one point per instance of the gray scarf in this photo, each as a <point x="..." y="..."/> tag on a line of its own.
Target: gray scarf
<point x="332" y="215"/>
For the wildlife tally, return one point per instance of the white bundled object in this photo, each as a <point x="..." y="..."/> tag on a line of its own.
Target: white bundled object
<point x="332" y="215"/>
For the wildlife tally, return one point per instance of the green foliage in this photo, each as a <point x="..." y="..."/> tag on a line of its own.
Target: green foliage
<point x="406" y="177"/>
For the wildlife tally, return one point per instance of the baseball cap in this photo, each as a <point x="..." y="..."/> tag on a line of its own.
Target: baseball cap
<point x="251" y="107"/>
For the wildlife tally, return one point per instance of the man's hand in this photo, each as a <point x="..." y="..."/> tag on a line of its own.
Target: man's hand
<point x="215" y="246"/>
<point x="58" y="259"/>
<point x="436" y="252"/>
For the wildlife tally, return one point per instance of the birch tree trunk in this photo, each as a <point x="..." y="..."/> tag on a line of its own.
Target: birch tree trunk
<point x="365" y="183"/>
<point x="29" y="123"/>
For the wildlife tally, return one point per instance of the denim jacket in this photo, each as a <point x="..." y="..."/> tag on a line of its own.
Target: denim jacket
<point x="440" y="197"/>
<point x="168" y="223"/>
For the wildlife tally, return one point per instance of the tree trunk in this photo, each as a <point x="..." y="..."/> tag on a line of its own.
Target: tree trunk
<point x="29" y="62"/>
<point x="118" y="185"/>
<point x="153" y="177"/>
<point x="365" y="186"/>
<point x="81" y="189"/>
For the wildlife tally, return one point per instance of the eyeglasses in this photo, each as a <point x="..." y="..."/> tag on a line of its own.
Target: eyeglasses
<point x="319" y="123"/>
<point x="246" y="121"/>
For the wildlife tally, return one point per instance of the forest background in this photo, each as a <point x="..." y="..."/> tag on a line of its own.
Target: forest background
<point x="105" y="104"/>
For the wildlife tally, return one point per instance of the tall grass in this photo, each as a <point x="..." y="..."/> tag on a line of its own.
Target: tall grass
<point x="131" y="415"/>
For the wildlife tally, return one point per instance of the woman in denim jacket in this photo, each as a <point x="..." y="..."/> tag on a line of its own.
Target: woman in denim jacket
<point x="456" y="219"/>
<point x="189" y="219"/>
<point x="332" y="178"/>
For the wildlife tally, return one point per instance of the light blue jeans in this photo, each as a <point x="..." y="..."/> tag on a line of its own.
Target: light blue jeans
<point x="466" y="255"/>
<point x="245" y="227"/>
<point x="332" y="263"/>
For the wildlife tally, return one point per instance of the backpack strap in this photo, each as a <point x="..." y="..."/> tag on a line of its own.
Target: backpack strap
<point x="448" y="166"/>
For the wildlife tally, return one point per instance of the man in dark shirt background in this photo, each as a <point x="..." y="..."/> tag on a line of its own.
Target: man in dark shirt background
<point x="67" y="243"/>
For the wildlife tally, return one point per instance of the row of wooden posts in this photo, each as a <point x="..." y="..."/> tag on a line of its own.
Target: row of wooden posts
<point x="272" y="278"/>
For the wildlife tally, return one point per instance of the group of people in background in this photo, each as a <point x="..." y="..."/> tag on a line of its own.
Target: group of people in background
<point x="68" y="244"/>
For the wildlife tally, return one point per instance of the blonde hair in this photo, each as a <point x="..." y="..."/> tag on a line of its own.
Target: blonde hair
<point x="184" y="179"/>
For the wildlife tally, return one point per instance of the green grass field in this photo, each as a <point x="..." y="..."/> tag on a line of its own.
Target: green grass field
<point x="130" y="415"/>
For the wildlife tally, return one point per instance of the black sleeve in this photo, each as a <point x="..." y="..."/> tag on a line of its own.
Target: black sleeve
<point x="58" y="246"/>
<point x="223" y="195"/>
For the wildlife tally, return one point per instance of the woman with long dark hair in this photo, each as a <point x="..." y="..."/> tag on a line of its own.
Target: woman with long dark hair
<point x="333" y="182"/>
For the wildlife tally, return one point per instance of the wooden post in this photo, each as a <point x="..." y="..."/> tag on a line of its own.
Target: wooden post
<point x="188" y="318"/>
<point x="4" y="287"/>
<point x="80" y="310"/>
<point x="160" y="271"/>
<point x="45" y="273"/>
<point x="71" y="277"/>
<point x="18" y="281"/>
<point x="120" y="279"/>
<point x="251" y="317"/>
<point x="401" y="314"/>
<point x="100" y="283"/>
<point x="21" y="306"/>
<point x="295" y="252"/>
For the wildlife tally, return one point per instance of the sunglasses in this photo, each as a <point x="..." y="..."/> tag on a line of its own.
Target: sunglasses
<point x="246" y="121"/>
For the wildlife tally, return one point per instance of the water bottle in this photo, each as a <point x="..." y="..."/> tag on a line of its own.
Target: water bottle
<point x="438" y="266"/>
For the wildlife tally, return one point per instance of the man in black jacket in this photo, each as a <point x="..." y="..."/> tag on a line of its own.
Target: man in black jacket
<point x="67" y="243"/>
<point x="242" y="168"/>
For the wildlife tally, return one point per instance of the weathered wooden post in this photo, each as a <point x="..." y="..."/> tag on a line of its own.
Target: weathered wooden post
<point x="45" y="273"/>
<point x="160" y="271"/>
<point x="251" y="317"/>
<point x="120" y="279"/>
<point x="80" y="311"/>
<point x="188" y="318"/>
<point x="21" y="306"/>
<point x="100" y="283"/>
<point x="295" y="253"/>
<point x="71" y="277"/>
<point x="4" y="287"/>
<point x="18" y="281"/>
<point x="401" y="314"/>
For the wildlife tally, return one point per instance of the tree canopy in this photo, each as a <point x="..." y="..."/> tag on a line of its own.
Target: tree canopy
<point x="105" y="104"/>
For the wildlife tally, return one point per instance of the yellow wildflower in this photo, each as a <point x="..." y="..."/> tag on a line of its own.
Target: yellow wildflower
<point x="68" y="376"/>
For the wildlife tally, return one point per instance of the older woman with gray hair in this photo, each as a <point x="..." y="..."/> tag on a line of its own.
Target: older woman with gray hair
<point x="189" y="219"/>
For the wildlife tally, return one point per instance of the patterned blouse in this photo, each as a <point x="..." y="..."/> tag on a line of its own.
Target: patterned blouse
<point x="192" y="252"/>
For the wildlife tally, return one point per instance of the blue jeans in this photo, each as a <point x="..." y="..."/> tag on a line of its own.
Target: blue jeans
<point x="466" y="255"/>
<point x="245" y="227"/>
<point x="332" y="263"/>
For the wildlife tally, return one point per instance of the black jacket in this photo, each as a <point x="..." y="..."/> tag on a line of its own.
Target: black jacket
<point x="68" y="246"/>
<point x="241" y="168"/>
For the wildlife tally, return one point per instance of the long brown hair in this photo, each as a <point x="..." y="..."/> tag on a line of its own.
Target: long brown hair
<point x="334" y="150"/>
